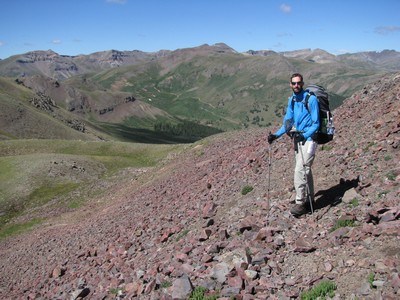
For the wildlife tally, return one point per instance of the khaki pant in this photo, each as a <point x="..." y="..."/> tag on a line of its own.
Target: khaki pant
<point x="303" y="173"/>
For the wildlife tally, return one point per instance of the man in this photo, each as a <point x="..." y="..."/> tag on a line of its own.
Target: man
<point x="301" y="123"/>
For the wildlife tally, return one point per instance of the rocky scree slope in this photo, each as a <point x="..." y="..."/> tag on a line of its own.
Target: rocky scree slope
<point x="187" y="224"/>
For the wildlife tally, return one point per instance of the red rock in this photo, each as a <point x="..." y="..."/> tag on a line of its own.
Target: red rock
<point x="208" y="210"/>
<point x="302" y="245"/>
<point x="235" y="281"/>
<point x="204" y="234"/>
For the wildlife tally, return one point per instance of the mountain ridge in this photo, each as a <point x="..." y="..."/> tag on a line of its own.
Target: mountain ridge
<point x="178" y="94"/>
<point x="68" y="65"/>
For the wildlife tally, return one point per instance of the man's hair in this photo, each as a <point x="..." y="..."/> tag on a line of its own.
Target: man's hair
<point x="297" y="75"/>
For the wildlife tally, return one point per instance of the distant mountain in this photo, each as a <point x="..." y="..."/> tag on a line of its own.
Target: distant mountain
<point x="387" y="59"/>
<point x="58" y="66"/>
<point x="317" y="55"/>
<point x="205" y="89"/>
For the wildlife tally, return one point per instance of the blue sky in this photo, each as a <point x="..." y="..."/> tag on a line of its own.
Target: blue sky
<point x="72" y="27"/>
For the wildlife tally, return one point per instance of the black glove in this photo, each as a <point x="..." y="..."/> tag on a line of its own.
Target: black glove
<point x="271" y="138"/>
<point x="299" y="138"/>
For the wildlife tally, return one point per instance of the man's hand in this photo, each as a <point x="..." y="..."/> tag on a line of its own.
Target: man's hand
<point x="271" y="138"/>
<point x="299" y="138"/>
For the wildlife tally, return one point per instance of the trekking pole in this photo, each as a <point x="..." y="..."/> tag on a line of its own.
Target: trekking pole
<point x="305" y="173"/>
<point x="269" y="173"/>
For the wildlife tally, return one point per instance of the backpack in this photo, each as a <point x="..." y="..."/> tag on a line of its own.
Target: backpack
<point x="326" y="129"/>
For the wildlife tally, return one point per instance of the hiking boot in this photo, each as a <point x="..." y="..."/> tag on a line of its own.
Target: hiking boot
<point x="300" y="209"/>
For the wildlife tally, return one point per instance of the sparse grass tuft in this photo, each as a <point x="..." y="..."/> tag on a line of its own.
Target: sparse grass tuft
<point x="370" y="144"/>
<point x="387" y="157"/>
<point x="382" y="194"/>
<point x="199" y="294"/>
<point x="165" y="284"/>
<point x="324" y="288"/>
<point x="115" y="291"/>
<point x="343" y="223"/>
<point x="326" y="147"/>
<point x="371" y="279"/>
<point x="354" y="202"/>
<point x="182" y="234"/>
<point x="246" y="189"/>
<point x="391" y="176"/>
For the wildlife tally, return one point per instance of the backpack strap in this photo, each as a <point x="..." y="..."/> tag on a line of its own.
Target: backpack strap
<point x="305" y="102"/>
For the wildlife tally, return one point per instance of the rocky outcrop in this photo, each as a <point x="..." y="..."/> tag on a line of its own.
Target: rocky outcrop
<point x="43" y="102"/>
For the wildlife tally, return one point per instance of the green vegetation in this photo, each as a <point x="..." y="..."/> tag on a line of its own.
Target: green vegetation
<point x="323" y="289"/>
<point x="182" y="234"/>
<point x="343" y="223"/>
<point x="115" y="291"/>
<point x="199" y="294"/>
<point x="165" y="284"/>
<point x="354" y="202"/>
<point x="371" y="279"/>
<point x="382" y="194"/>
<point x="391" y="175"/>
<point x="246" y="189"/>
<point x="326" y="147"/>
<point x="45" y="193"/>
<point x="370" y="144"/>
<point x="387" y="157"/>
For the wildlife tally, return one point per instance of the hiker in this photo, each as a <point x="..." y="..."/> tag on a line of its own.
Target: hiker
<point x="300" y="123"/>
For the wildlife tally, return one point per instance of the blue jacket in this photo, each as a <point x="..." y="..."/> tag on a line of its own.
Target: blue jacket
<point x="303" y="120"/>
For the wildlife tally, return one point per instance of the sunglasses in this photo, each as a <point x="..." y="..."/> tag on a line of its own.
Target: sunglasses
<point x="298" y="83"/>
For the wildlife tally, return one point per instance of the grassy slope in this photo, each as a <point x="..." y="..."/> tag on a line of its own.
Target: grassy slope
<point x="62" y="173"/>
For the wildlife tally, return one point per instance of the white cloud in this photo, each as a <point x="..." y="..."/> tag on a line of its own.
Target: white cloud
<point x="2" y="43"/>
<point x="286" y="8"/>
<point x="56" y="41"/>
<point x="386" y="29"/>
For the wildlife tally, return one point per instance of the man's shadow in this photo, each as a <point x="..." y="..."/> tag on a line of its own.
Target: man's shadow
<point x="333" y="196"/>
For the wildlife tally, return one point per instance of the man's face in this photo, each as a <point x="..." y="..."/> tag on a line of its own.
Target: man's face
<point x="296" y="84"/>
